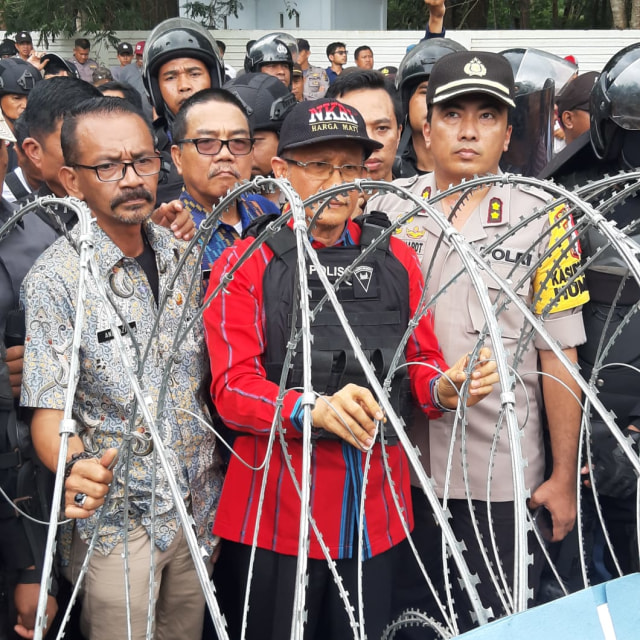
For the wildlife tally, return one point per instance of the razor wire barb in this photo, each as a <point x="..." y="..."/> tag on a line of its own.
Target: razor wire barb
<point x="476" y="266"/>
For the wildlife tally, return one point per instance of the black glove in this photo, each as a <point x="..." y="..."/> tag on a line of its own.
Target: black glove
<point x="613" y="472"/>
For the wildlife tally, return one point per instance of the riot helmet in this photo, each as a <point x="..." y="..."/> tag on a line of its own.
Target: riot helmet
<point x="266" y="100"/>
<point x="57" y="64"/>
<point x="615" y="108"/>
<point x="289" y="40"/>
<point x="269" y="48"/>
<point x="417" y="64"/>
<point x="532" y="67"/>
<point x="17" y="77"/>
<point x="7" y="48"/>
<point x="538" y="77"/>
<point x="178" y="38"/>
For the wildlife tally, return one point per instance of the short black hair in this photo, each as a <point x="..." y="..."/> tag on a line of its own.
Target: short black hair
<point x="303" y="45"/>
<point x="130" y="93"/>
<point x="102" y="106"/>
<point x="331" y="48"/>
<point x="359" y="50"/>
<point x="82" y="43"/>
<point x="49" y="101"/>
<point x="222" y="46"/>
<point x="179" y="127"/>
<point x="365" y="79"/>
<point x="20" y="131"/>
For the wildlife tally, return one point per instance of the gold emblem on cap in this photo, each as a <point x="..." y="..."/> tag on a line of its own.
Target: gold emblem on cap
<point x="475" y="68"/>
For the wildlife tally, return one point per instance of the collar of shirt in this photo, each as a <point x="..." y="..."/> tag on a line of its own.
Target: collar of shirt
<point x="349" y="237"/>
<point x="246" y="210"/>
<point x="108" y="254"/>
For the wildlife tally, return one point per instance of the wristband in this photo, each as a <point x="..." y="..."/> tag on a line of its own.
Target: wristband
<point x="435" y="398"/>
<point x="83" y="455"/>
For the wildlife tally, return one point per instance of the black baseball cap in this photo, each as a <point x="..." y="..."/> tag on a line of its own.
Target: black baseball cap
<point x="467" y="72"/>
<point x="124" y="48"/>
<point x="577" y="93"/>
<point x="315" y="121"/>
<point x="23" y="36"/>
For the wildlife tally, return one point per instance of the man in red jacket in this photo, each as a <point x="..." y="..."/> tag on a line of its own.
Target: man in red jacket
<point x="323" y="143"/>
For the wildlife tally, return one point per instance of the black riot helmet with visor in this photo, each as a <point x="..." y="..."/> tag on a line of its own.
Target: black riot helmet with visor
<point x="539" y="76"/>
<point x="416" y="66"/>
<point x="269" y="49"/>
<point x="615" y="108"/>
<point x="178" y="38"/>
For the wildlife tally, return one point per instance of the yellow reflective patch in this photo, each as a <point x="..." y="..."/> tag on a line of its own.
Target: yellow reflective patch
<point x="556" y="280"/>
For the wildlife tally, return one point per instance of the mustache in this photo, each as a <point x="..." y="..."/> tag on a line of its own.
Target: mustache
<point x="135" y="193"/>
<point x="214" y="171"/>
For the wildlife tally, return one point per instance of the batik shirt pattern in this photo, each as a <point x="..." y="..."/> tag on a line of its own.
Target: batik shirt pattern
<point x="104" y="400"/>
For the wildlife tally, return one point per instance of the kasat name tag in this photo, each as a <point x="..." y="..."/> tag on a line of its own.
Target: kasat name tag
<point x="107" y="334"/>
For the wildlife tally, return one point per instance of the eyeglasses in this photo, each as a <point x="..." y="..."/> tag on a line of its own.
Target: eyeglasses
<point x="324" y="170"/>
<point x="213" y="146"/>
<point x="341" y="52"/>
<point x="114" y="171"/>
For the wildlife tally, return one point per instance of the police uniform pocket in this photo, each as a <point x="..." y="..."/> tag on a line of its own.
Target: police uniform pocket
<point x="510" y="318"/>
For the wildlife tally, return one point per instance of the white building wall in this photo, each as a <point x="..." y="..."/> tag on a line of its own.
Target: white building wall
<point x="591" y="48"/>
<point x="312" y="14"/>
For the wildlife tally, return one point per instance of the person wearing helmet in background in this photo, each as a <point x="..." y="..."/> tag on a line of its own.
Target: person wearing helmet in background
<point x="267" y="102"/>
<point x="7" y="48"/>
<point x="17" y="78"/>
<point x="55" y="65"/>
<point x="611" y="145"/>
<point x="539" y="77"/>
<point x="271" y="55"/>
<point x="412" y="79"/>
<point x="180" y="58"/>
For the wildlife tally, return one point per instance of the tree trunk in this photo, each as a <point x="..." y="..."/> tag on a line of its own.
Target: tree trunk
<point x="634" y="23"/>
<point x="470" y="14"/>
<point x="619" y="14"/>
<point x="525" y="14"/>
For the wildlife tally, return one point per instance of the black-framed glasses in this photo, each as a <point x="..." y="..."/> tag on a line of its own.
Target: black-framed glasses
<point x="324" y="170"/>
<point x="114" y="171"/>
<point x="341" y="52"/>
<point x="213" y="146"/>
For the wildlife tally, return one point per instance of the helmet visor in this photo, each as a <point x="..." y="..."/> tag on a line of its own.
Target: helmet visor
<point x="623" y="97"/>
<point x="536" y="66"/>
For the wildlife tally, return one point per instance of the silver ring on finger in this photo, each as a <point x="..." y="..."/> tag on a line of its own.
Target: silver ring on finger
<point x="79" y="499"/>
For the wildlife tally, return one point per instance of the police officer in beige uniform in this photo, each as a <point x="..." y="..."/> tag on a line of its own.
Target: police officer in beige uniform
<point x="467" y="130"/>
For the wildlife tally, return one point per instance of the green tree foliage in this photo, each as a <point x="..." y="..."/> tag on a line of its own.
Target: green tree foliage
<point x="212" y="14"/>
<point x="100" y="18"/>
<point x="508" y="14"/>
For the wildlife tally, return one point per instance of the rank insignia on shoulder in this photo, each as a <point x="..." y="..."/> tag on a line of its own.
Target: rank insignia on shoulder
<point x="495" y="211"/>
<point x="426" y="194"/>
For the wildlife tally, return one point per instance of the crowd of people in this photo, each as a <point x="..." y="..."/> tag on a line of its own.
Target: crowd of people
<point x="153" y="147"/>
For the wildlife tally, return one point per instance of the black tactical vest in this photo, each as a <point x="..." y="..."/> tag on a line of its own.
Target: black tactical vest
<point x="375" y="299"/>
